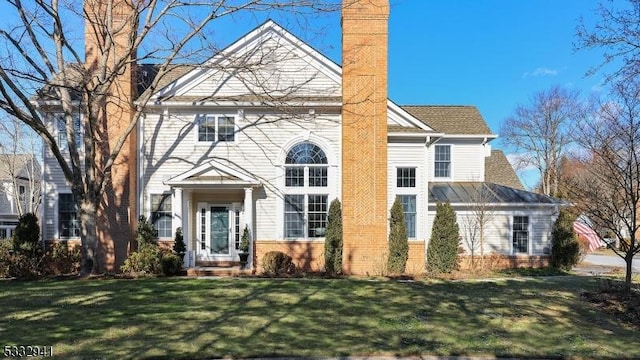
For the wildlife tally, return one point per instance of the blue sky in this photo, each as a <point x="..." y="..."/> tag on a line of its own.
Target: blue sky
<point x="494" y="54"/>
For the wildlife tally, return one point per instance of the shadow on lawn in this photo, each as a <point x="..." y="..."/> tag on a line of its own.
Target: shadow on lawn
<point x="173" y="318"/>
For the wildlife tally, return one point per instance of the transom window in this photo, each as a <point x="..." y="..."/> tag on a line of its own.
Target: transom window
<point x="68" y="220"/>
<point x="213" y="128"/>
<point x="406" y="177"/>
<point x="520" y="234"/>
<point x="161" y="214"/>
<point x="306" y="180"/>
<point x="62" y="131"/>
<point x="409" y="208"/>
<point x="442" y="164"/>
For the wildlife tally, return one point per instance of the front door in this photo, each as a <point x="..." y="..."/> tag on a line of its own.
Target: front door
<point x="214" y="227"/>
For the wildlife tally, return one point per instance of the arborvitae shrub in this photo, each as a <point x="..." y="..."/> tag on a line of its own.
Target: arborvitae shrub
<point x="26" y="236"/>
<point x="333" y="239"/>
<point x="565" y="248"/>
<point x="146" y="259"/>
<point x="146" y="233"/>
<point x="398" y="242"/>
<point x="245" y="240"/>
<point x="179" y="246"/>
<point x="442" y="252"/>
<point x="277" y="263"/>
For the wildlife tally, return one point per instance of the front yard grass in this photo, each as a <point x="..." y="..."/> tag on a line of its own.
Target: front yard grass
<point x="207" y="318"/>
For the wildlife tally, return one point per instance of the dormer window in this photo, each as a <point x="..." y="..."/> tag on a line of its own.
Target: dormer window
<point x="442" y="164"/>
<point x="213" y="128"/>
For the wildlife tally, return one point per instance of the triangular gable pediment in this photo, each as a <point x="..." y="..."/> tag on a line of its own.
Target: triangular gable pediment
<point x="245" y="69"/>
<point x="213" y="172"/>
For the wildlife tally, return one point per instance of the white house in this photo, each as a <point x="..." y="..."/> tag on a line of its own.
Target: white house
<point x="19" y="189"/>
<point x="255" y="137"/>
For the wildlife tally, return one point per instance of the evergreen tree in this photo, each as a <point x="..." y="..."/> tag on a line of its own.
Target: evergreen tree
<point x="333" y="239"/>
<point x="146" y="233"/>
<point x="179" y="246"/>
<point x="26" y="236"/>
<point x="398" y="242"/>
<point x="565" y="249"/>
<point x="442" y="251"/>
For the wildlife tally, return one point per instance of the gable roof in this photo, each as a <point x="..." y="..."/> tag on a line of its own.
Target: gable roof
<point x="498" y="170"/>
<point x="21" y="166"/>
<point x="450" y="119"/>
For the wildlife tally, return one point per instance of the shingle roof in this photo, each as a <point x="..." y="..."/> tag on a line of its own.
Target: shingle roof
<point x="18" y="166"/>
<point x="404" y="129"/>
<point x="476" y="192"/>
<point x="498" y="170"/>
<point x="460" y="120"/>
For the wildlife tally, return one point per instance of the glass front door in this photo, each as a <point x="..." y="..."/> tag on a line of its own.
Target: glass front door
<point x="219" y="232"/>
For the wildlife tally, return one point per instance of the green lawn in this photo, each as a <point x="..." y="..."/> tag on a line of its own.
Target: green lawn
<point x="204" y="318"/>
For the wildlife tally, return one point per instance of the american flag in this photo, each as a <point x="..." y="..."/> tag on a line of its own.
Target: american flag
<point x="584" y="231"/>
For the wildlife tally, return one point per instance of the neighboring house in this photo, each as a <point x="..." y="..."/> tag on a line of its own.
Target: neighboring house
<point x="19" y="189"/>
<point x="226" y="145"/>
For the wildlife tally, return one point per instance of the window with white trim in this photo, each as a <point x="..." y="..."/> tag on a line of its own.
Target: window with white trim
<point x="68" y="220"/>
<point x="409" y="208"/>
<point x="442" y="163"/>
<point x="161" y="215"/>
<point x="406" y="177"/>
<point x="306" y="199"/>
<point x="520" y="234"/>
<point x="62" y="131"/>
<point x="214" y="128"/>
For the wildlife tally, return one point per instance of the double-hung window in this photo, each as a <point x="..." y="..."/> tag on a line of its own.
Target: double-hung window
<point x="62" y="131"/>
<point x="405" y="181"/>
<point x="212" y="128"/>
<point x="442" y="163"/>
<point x="68" y="220"/>
<point x="161" y="214"/>
<point x="520" y="234"/>
<point x="306" y="199"/>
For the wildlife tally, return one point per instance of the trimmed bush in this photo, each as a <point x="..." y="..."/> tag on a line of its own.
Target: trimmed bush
<point x="148" y="256"/>
<point x="179" y="247"/>
<point x="398" y="242"/>
<point x="146" y="233"/>
<point x="59" y="259"/>
<point x="333" y="239"/>
<point x="277" y="263"/>
<point x="6" y="249"/>
<point x="26" y="236"/>
<point x="565" y="249"/>
<point x="245" y="240"/>
<point x="442" y="252"/>
<point x="171" y="265"/>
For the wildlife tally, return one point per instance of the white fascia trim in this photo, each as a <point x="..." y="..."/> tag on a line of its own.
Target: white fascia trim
<point x="408" y="135"/>
<point x="529" y="206"/>
<point x="403" y="118"/>
<point x="241" y="46"/>
<point x="486" y="137"/>
<point x="254" y="104"/>
<point x="212" y="164"/>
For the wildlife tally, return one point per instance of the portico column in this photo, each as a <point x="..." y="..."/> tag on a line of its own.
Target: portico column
<point x="177" y="210"/>
<point x="185" y="205"/>
<point x="248" y="220"/>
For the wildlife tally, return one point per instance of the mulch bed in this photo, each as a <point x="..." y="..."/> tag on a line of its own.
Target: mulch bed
<point x="612" y="299"/>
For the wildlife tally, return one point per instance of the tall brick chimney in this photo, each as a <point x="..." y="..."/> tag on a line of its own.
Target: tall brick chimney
<point x="113" y="20"/>
<point x="364" y="135"/>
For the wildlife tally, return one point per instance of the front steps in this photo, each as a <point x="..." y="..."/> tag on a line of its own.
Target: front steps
<point x="217" y="268"/>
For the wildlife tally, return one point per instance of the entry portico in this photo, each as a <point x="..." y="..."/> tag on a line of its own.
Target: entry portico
<point x="214" y="203"/>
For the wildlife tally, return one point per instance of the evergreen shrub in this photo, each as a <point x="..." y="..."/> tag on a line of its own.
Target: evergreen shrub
<point x="444" y="245"/>
<point x="333" y="239"/>
<point x="565" y="248"/>
<point x="277" y="263"/>
<point x="398" y="242"/>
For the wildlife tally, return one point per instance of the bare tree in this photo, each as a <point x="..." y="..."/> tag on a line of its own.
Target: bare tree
<point x="541" y="130"/>
<point x="18" y="149"/>
<point x="477" y="218"/>
<point x="609" y="181"/>
<point x="44" y="67"/>
<point x="615" y="32"/>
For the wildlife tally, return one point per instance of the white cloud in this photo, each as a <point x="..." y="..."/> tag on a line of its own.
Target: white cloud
<point x="541" y="71"/>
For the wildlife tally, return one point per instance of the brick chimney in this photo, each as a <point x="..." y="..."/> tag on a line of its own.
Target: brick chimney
<point x="364" y="135"/>
<point x="114" y="20"/>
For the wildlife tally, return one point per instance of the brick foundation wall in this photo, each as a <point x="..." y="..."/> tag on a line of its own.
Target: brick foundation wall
<point x="306" y="255"/>
<point x="497" y="262"/>
<point x="416" y="261"/>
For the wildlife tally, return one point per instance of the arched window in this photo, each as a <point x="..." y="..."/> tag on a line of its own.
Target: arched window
<point x="305" y="201"/>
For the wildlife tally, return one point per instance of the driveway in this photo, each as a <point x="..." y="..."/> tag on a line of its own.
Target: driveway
<point x="599" y="263"/>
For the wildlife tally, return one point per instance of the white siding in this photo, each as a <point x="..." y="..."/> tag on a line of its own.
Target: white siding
<point x="170" y="147"/>
<point x="498" y="230"/>
<point x="277" y="69"/>
<point x="467" y="160"/>
<point x="409" y="156"/>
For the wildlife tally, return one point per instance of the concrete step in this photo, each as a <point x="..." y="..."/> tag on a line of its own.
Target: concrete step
<point x="217" y="271"/>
